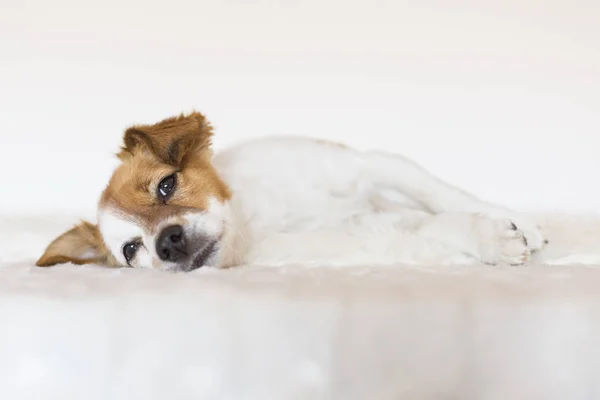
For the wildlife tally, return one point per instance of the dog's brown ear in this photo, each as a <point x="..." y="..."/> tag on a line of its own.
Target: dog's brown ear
<point x="82" y="244"/>
<point x="171" y="139"/>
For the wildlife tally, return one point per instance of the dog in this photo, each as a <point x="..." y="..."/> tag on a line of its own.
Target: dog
<point x="172" y="204"/>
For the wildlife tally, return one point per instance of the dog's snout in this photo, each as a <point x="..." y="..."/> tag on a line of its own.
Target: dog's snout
<point x="171" y="245"/>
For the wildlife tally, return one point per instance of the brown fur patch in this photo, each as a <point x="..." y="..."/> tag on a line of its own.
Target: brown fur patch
<point x="178" y="145"/>
<point x="171" y="139"/>
<point x="332" y="143"/>
<point x="82" y="244"/>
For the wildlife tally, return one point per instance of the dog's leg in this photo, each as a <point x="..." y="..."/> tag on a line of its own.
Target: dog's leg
<point x="448" y="237"/>
<point x="490" y="240"/>
<point x="355" y="248"/>
<point x="442" y="239"/>
<point x="411" y="237"/>
<point x="398" y="173"/>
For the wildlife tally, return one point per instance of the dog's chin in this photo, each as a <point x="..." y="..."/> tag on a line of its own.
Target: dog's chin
<point x="205" y="256"/>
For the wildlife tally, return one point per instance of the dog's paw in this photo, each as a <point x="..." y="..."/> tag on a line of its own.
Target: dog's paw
<point x="531" y="231"/>
<point x="502" y="241"/>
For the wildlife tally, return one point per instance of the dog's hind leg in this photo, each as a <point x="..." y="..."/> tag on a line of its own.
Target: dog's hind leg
<point x="396" y="173"/>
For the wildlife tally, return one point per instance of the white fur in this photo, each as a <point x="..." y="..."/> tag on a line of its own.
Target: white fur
<point x="117" y="230"/>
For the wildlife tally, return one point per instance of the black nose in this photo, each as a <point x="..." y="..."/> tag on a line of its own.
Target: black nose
<point x="170" y="245"/>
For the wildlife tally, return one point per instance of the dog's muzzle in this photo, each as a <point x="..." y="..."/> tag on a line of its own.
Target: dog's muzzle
<point x="173" y="246"/>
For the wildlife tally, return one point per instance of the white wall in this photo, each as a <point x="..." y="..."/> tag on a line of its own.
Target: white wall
<point x="502" y="99"/>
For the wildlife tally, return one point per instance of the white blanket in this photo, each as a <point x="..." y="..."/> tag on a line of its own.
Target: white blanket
<point x="296" y="332"/>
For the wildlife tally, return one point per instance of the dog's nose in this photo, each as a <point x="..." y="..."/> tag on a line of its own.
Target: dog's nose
<point x="170" y="245"/>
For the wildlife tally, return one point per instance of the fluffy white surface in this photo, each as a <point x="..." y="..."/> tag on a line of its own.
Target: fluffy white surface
<point x="296" y="332"/>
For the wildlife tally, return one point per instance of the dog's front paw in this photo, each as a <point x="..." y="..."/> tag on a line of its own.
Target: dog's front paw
<point x="503" y="241"/>
<point x="531" y="231"/>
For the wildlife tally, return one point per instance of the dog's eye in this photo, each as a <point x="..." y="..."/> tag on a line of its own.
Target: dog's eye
<point x="129" y="250"/>
<point x="166" y="187"/>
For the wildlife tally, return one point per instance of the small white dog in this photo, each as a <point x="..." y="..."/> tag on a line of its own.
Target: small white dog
<point x="171" y="204"/>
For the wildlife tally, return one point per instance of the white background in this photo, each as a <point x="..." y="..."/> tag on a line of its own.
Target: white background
<point x="502" y="99"/>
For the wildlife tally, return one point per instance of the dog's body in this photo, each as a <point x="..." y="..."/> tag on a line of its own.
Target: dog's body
<point x="173" y="205"/>
<point x="305" y="201"/>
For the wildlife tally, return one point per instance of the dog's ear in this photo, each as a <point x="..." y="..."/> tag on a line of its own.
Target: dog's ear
<point x="170" y="140"/>
<point x="82" y="244"/>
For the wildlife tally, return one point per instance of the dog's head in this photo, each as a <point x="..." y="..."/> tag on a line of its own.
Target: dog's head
<point x="164" y="207"/>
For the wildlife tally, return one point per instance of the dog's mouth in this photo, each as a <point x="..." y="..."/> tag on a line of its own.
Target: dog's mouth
<point x="202" y="256"/>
